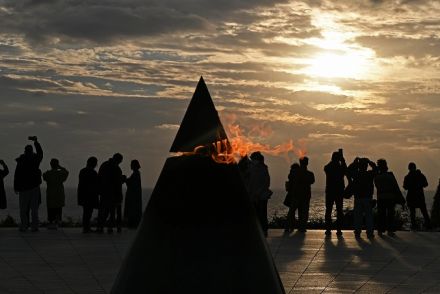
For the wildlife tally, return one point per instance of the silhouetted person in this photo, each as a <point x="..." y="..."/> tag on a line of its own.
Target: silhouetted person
<point x="4" y="171"/>
<point x="362" y="179"/>
<point x="55" y="196"/>
<point x="111" y="180"/>
<point x="259" y="183"/>
<point x="88" y="191"/>
<point x="335" y="172"/>
<point x="435" y="210"/>
<point x="133" y="196"/>
<point x="27" y="181"/>
<point x="302" y="191"/>
<point x="291" y="200"/>
<point x="388" y="195"/>
<point x="414" y="182"/>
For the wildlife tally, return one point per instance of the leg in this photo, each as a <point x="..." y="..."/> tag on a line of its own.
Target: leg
<point x="111" y="222"/>
<point x="328" y="211"/>
<point x="289" y="220"/>
<point x="50" y="215"/>
<point x="357" y="211"/>
<point x="368" y="217"/>
<point x="24" y="202"/>
<point x="119" y="217"/>
<point x="412" y="212"/>
<point x="102" y="216"/>
<point x="34" y="205"/>
<point x="59" y="215"/>
<point x="339" y="213"/>
<point x="87" y="215"/>
<point x="381" y="216"/>
<point x="390" y="217"/>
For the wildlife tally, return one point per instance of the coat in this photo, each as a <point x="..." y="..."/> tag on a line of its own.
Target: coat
<point x="27" y="173"/>
<point x="133" y="199"/>
<point x="110" y="183"/>
<point x="414" y="182"/>
<point x="3" y="174"/>
<point x="88" y="188"/>
<point x="388" y="188"/>
<point x="335" y="173"/>
<point x="302" y="185"/>
<point x="259" y="182"/>
<point x="55" y="178"/>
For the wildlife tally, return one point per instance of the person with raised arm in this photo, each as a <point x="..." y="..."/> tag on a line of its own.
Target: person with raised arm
<point x="27" y="181"/>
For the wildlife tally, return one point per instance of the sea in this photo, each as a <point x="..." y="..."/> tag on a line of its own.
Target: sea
<point x="73" y="212"/>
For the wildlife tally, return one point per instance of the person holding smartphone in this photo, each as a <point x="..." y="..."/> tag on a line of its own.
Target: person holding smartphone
<point x="27" y="181"/>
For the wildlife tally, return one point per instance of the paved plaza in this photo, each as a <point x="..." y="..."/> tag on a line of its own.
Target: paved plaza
<point x="66" y="261"/>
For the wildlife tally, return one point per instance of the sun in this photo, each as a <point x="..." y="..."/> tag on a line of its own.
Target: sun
<point x="353" y="65"/>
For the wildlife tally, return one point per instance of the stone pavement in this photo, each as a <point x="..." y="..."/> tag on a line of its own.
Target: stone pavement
<point x="66" y="261"/>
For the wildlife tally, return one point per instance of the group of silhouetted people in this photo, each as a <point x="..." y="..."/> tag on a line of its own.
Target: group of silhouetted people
<point x="100" y="190"/>
<point x="363" y="176"/>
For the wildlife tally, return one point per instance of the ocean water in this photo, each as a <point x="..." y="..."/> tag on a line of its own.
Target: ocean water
<point x="275" y="205"/>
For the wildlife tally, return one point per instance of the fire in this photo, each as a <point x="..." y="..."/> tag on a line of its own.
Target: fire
<point x="241" y="143"/>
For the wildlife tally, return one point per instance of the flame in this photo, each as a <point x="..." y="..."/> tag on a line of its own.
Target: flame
<point x="241" y="143"/>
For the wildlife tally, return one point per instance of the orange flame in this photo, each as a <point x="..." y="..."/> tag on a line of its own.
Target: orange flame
<point x="241" y="144"/>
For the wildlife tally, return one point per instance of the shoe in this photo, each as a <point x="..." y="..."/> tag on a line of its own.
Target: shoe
<point x="109" y="231"/>
<point x="357" y="235"/>
<point x="86" y="231"/>
<point x="380" y="233"/>
<point x="34" y="230"/>
<point x="328" y="232"/>
<point x="23" y="230"/>
<point x="339" y="233"/>
<point x="99" y="230"/>
<point x="391" y="234"/>
<point x="119" y="230"/>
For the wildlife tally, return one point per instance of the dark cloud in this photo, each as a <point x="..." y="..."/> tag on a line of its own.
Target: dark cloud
<point x="107" y="20"/>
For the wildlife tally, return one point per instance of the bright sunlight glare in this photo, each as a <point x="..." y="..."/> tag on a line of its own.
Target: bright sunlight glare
<point x="330" y="65"/>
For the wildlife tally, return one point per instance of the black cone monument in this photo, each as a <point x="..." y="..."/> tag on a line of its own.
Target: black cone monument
<point x="199" y="232"/>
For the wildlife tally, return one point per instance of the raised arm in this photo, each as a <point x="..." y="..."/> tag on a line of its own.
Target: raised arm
<point x="39" y="150"/>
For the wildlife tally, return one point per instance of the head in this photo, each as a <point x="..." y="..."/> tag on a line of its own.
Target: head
<point x="92" y="162"/>
<point x="294" y="166"/>
<point x="117" y="157"/>
<point x="336" y="156"/>
<point x="135" y="165"/>
<point x="304" y="161"/>
<point x="382" y="165"/>
<point x="363" y="164"/>
<point x="28" y="150"/>
<point x="54" y="163"/>
<point x="257" y="156"/>
<point x="412" y="166"/>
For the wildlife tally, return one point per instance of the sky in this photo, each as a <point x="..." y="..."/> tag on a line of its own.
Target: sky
<point x="95" y="77"/>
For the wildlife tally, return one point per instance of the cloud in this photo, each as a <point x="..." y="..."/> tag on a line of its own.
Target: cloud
<point x="108" y="20"/>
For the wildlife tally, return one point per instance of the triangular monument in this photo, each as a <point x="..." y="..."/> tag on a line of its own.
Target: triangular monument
<point x="201" y="124"/>
<point x="199" y="232"/>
